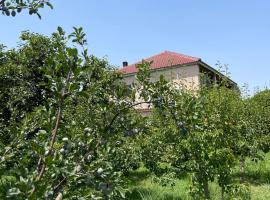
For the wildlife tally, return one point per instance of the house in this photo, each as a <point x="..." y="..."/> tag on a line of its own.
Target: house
<point x="182" y="70"/>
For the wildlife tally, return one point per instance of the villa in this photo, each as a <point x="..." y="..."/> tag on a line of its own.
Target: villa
<point x="181" y="70"/>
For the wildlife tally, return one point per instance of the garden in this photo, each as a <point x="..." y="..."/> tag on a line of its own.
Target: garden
<point x="69" y="128"/>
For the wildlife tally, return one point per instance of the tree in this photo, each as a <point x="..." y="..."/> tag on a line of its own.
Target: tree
<point x="64" y="144"/>
<point x="21" y="72"/>
<point x="12" y="7"/>
<point x="194" y="133"/>
<point x="260" y="104"/>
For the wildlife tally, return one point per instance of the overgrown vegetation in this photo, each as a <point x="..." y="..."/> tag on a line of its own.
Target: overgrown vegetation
<point x="69" y="129"/>
<point x="256" y="176"/>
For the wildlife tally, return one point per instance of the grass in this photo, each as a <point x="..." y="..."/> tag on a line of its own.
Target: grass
<point x="257" y="175"/>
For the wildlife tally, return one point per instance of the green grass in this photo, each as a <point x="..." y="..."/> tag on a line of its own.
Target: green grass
<point x="257" y="175"/>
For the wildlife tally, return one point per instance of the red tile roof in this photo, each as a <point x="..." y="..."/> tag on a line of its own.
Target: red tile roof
<point x="162" y="60"/>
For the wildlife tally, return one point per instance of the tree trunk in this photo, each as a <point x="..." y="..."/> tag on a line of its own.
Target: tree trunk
<point x="222" y="192"/>
<point x="242" y="168"/>
<point x="206" y="190"/>
<point x="42" y="165"/>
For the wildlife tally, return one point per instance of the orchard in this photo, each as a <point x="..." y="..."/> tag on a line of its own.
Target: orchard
<point x="69" y="127"/>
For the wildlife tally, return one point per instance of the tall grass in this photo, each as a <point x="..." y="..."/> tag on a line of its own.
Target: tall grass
<point x="257" y="175"/>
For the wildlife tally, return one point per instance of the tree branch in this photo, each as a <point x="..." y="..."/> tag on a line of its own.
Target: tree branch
<point x="123" y="109"/>
<point x="56" y="127"/>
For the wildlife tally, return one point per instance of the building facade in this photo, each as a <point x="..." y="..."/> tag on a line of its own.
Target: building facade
<point x="181" y="70"/>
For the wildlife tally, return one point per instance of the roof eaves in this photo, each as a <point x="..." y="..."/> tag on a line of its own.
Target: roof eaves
<point x="215" y="71"/>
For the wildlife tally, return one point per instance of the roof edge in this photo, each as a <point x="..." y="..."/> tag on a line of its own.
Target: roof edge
<point x="215" y="71"/>
<point x="158" y="54"/>
<point x="166" y="67"/>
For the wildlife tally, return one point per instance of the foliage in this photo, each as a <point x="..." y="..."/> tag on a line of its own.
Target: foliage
<point x="70" y="128"/>
<point x="63" y="138"/>
<point x="261" y="117"/>
<point x="13" y="7"/>
<point x="21" y="72"/>
<point x="257" y="183"/>
<point x="204" y="134"/>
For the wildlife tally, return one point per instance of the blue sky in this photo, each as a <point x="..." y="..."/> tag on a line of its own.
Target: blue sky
<point x="232" y="32"/>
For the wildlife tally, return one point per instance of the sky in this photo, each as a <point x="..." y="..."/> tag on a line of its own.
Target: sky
<point x="232" y="32"/>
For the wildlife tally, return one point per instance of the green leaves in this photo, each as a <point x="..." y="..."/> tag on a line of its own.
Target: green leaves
<point x="64" y="92"/>
<point x="197" y="133"/>
<point x="11" y="7"/>
<point x="79" y="36"/>
<point x="49" y="4"/>
<point x="64" y="115"/>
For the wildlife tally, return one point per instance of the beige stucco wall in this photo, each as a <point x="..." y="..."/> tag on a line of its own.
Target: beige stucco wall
<point x="188" y="76"/>
<point x="181" y="76"/>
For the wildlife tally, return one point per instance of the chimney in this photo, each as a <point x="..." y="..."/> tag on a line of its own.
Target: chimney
<point x="125" y="63"/>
